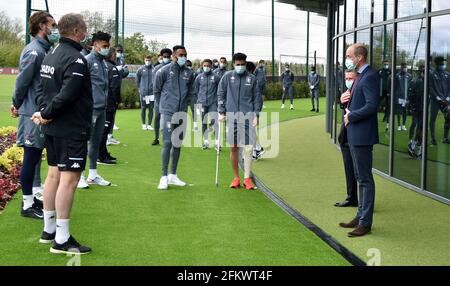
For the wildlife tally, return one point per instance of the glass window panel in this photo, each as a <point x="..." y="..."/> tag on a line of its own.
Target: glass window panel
<point x="350" y="23"/>
<point x="437" y="5"/>
<point x="382" y="51"/>
<point x="408" y="100"/>
<point x="438" y="170"/>
<point x="383" y="10"/>
<point x="364" y="12"/>
<point x="339" y="79"/>
<point x="341" y="19"/>
<point x="364" y="38"/>
<point x="411" y="7"/>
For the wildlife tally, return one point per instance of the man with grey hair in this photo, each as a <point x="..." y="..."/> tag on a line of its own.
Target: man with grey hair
<point x="361" y="122"/>
<point x="65" y="105"/>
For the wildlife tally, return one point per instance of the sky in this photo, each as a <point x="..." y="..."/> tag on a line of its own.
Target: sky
<point x="208" y="25"/>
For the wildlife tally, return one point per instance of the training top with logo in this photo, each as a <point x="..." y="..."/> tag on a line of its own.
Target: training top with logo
<point x="65" y="92"/>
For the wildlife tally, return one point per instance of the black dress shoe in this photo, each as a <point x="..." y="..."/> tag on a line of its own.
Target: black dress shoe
<point x="345" y="204"/>
<point x="155" y="142"/>
<point x="312" y="110"/>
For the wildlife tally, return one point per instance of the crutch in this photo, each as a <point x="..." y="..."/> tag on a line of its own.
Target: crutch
<point x="218" y="154"/>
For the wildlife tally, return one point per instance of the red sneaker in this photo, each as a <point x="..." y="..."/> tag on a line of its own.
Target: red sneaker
<point x="248" y="184"/>
<point x="236" y="183"/>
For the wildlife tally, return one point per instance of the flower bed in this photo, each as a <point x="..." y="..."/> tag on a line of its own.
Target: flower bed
<point x="11" y="158"/>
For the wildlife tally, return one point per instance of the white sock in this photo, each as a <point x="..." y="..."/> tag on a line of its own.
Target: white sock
<point x="92" y="174"/>
<point x="62" y="230"/>
<point x="27" y="201"/>
<point x="195" y="124"/>
<point x="247" y="160"/>
<point x="49" y="221"/>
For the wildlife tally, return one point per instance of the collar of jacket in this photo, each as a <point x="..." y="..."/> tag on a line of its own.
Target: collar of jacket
<point x="71" y="42"/>
<point x="97" y="55"/>
<point x="242" y="74"/>
<point x="44" y="43"/>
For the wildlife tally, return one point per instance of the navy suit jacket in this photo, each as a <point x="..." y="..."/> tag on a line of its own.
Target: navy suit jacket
<point x="363" y="127"/>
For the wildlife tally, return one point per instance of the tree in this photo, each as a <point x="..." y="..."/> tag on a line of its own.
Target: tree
<point x="11" y="41"/>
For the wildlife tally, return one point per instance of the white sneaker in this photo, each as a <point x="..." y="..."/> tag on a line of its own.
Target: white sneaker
<point x="404" y="128"/>
<point x="292" y="107"/>
<point x="98" y="180"/>
<point x="399" y="128"/>
<point x="264" y="106"/>
<point x="144" y="127"/>
<point x="195" y="126"/>
<point x="149" y="127"/>
<point x="112" y="141"/>
<point x="173" y="180"/>
<point x="163" y="183"/>
<point x="116" y="127"/>
<point x="38" y="193"/>
<point x="282" y="106"/>
<point x="82" y="184"/>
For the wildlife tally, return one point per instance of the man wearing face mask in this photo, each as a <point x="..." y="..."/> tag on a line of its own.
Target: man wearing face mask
<point x="216" y="64"/>
<point x="361" y="120"/>
<point x="205" y="87"/>
<point x="385" y="90"/>
<point x="260" y="74"/>
<point x="29" y="136"/>
<point x="100" y="84"/>
<point x="166" y="55"/>
<point x="440" y="98"/>
<point x="352" y="185"/>
<point x="314" y="82"/>
<point x="287" y="79"/>
<point x="221" y="69"/>
<point x="87" y="45"/>
<point x="173" y="89"/>
<point x="144" y="81"/>
<point x="402" y="82"/>
<point x="65" y="101"/>
<point x="240" y="104"/>
<point x="415" y="107"/>
<point x="120" y="57"/>
<point x="194" y="112"/>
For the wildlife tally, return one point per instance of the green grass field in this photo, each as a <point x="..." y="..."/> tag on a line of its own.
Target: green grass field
<point x="135" y="224"/>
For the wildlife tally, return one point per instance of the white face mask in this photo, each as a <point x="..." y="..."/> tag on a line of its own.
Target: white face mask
<point x="147" y="63"/>
<point x="222" y="66"/>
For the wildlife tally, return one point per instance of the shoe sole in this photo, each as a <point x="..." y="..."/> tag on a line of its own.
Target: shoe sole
<point x="99" y="184"/>
<point x="178" y="185"/>
<point x="56" y="251"/>
<point x="101" y="163"/>
<point x="35" y="217"/>
<point x="351" y="235"/>
<point x="45" y="241"/>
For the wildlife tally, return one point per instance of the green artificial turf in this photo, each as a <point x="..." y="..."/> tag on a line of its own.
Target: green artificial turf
<point x="409" y="228"/>
<point x="133" y="223"/>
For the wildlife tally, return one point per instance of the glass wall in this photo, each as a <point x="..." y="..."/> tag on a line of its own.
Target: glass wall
<point x="381" y="61"/>
<point x="438" y="156"/>
<point x="414" y="86"/>
<point x="408" y="100"/>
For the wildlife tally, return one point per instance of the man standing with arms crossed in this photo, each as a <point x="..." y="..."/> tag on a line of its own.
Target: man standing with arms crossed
<point x="362" y="133"/>
<point x="173" y="89"/>
<point x="65" y="104"/>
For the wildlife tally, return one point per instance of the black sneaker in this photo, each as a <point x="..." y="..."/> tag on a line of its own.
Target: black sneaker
<point x="317" y="110"/>
<point x="47" y="238"/>
<point x="32" y="212"/>
<point x="205" y="146"/>
<point x="155" y="142"/>
<point x="38" y="203"/>
<point x="111" y="158"/>
<point x="446" y="141"/>
<point x="433" y="142"/>
<point x="312" y="110"/>
<point x="71" y="246"/>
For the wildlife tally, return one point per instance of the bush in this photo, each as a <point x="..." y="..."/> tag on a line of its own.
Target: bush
<point x="274" y="91"/>
<point x="11" y="158"/>
<point x="129" y="94"/>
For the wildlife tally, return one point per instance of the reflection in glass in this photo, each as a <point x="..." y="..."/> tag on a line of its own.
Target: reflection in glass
<point x="411" y="7"/>
<point x="364" y="10"/>
<point x="438" y="151"/>
<point x="408" y="100"/>
<point x="382" y="12"/>
<point x="350" y="19"/>
<point x="381" y="60"/>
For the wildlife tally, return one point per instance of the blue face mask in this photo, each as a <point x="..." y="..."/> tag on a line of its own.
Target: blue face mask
<point x="166" y="60"/>
<point x="206" y="69"/>
<point x="349" y="84"/>
<point x="54" y="36"/>
<point x="350" y="64"/>
<point x="104" y="52"/>
<point x="443" y="67"/>
<point x="181" y="61"/>
<point x="239" y="69"/>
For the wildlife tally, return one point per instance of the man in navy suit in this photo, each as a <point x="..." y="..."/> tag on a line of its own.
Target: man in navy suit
<point x="362" y="133"/>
